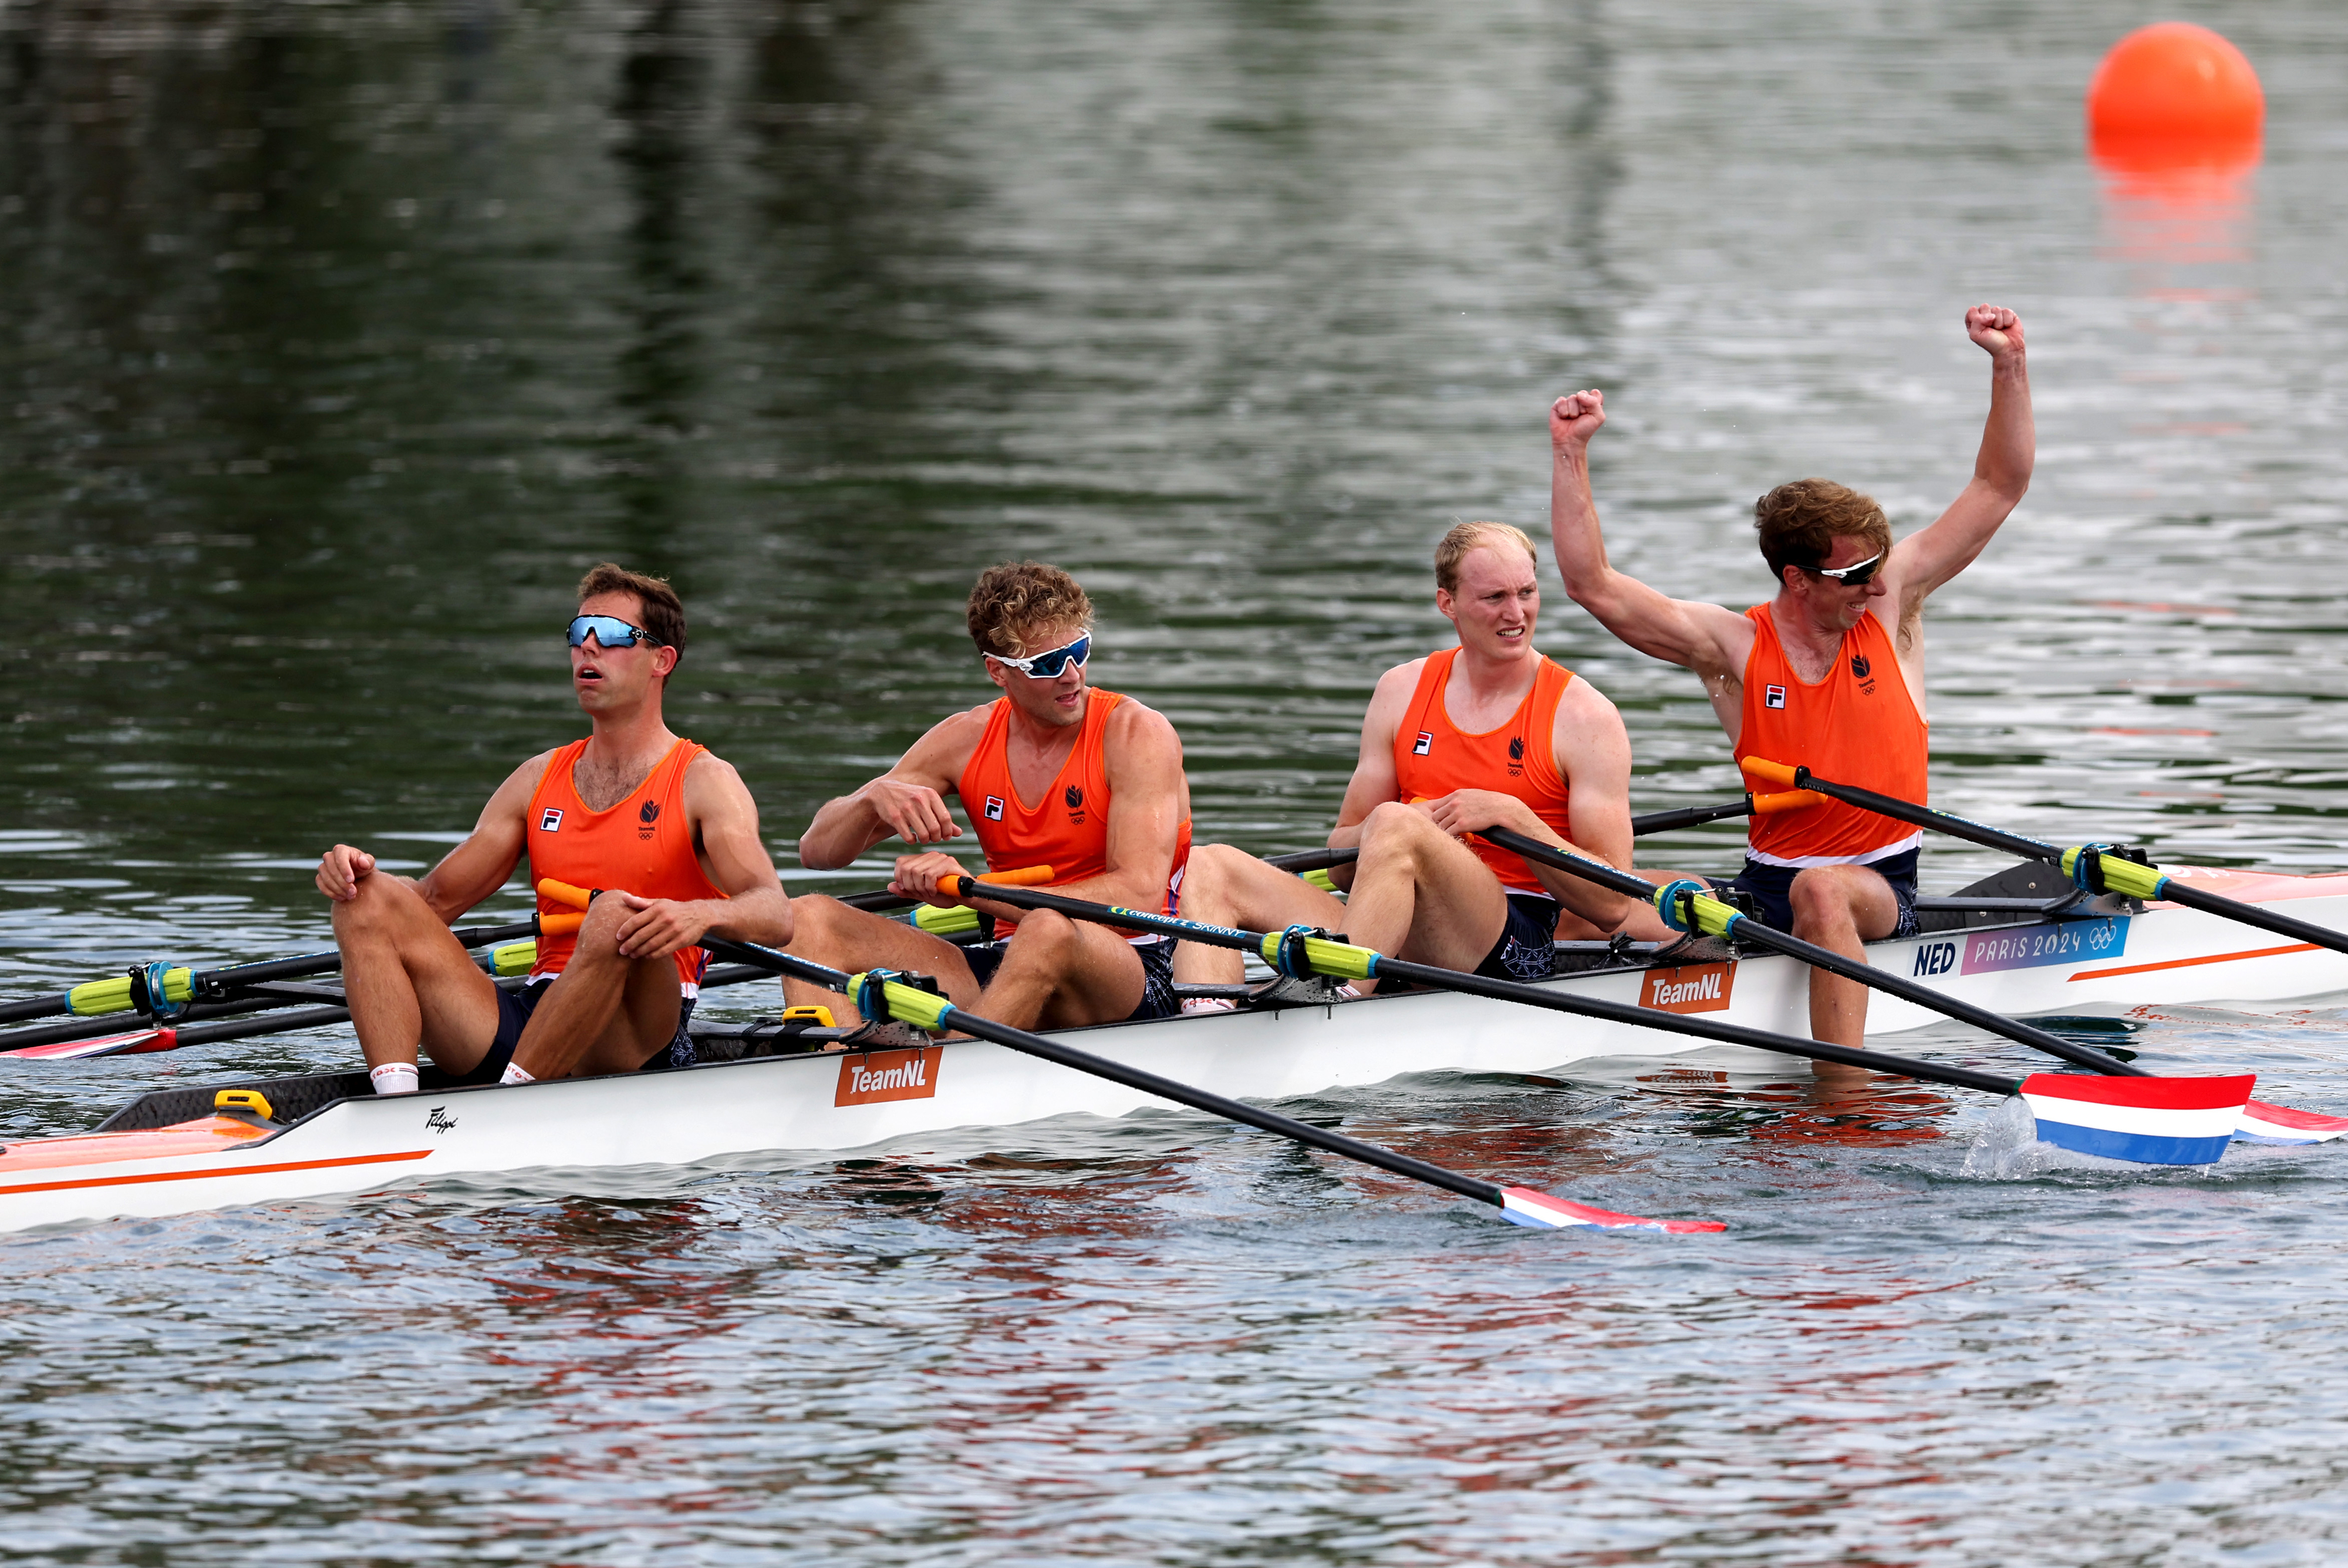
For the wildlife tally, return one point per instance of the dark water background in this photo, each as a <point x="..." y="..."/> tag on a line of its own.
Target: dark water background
<point x="340" y="338"/>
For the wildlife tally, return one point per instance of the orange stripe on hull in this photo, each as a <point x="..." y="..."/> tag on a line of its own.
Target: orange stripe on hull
<point x="2189" y="963"/>
<point x="201" y="1176"/>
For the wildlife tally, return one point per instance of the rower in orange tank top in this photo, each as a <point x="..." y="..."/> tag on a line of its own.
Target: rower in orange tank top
<point x="1053" y="772"/>
<point x="1068" y="828"/>
<point x="642" y="843"/>
<point x="1858" y="726"/>
<point x="1433" y="758"/>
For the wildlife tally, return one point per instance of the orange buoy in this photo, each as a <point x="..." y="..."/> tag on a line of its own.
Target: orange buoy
<point x="2174" y="94"/>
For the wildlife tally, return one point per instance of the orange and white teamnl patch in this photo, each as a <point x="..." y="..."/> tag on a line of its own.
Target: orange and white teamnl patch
<point x="1695" y="988"/>
<point x="888" y="1075"/>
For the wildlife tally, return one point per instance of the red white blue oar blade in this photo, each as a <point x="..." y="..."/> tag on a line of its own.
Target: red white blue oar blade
<point x="130" y="1044"/>
<point x="2143" y="1121"/>
<point x="2261" y="1122"/>
<point x="1545" y="1211"/>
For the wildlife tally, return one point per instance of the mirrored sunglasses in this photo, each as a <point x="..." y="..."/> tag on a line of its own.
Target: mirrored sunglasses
<point x="1048" y="665"/>
<point x="609" y="632"/>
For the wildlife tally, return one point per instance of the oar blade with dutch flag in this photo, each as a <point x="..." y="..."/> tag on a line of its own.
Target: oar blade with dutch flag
<point x="2257" y="1122"/>
<point x="2167" y="1116"/>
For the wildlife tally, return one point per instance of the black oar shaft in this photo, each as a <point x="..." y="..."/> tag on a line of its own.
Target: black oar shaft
<point x="1135" y="1078"/>
<point x="1916" y="815"/>
<point x="2177" y="891"/>
<point x="1760" y="936"/>
<point x="1688" y="817"/>
<point x="1553" y="1000"/>
<point x="2173" y="889"/>
<point x="259" y="972"/>
<point x="1303" y="860"/>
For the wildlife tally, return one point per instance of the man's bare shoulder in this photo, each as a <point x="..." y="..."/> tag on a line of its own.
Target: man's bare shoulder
<point x="1401" y="680"/>
<point x="1135" y="722"/>
<point x="710" y="771"/>
<point x="948" y="744"/>
<point x="525" y="777"/>
<point x="1583" y="703"/>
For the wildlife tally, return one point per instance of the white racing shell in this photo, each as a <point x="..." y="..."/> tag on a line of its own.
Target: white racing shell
<point x="818" y="1105"/>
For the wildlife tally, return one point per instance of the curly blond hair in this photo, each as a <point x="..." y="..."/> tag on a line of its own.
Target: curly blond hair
<point x="1012" y="601"/>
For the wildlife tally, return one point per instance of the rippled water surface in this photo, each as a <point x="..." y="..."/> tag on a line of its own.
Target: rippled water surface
<point x="342" y="337"/>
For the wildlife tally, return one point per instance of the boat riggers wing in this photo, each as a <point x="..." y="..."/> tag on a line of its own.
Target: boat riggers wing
<point x="883" y="994"/>
<point x="2099" y="869"/>
<point x="2164" y="1133"/>
<point x="2093" y="867"/>
<point x="1687" y="906"/>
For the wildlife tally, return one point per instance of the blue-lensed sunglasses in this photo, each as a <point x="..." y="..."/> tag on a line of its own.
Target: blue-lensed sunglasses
<point x="1048" y="665"/>
<point x="609" y="632"/>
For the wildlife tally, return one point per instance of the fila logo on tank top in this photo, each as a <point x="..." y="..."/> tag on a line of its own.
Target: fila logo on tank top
<point x="1068" y="828"/>
<point x="1859" y="726"/>
<point x="1434" y="756"/>
<point x="643" y="844"/>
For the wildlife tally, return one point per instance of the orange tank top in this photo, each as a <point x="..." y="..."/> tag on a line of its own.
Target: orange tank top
<point x="1859" y="726"/>
<point x="643" y="844"/>
<point x="1067" y="830"/>
<point x="1433" y="758"/>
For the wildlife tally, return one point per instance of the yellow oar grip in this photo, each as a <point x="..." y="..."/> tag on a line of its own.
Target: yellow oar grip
<point x="1682" y="901"/>
<point x="514" y="959"/>
<point x="1767" y="772"/>
<point x="93" y="998"/>
<point x="940" y="922"/>
<point x="906" y="1004"/>
<point x="2124" y="878"/>
<point x="1340" y="961"/>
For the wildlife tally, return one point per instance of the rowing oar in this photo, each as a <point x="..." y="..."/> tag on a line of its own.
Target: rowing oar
<point x="885" y="993"/>
<point x="1686" y="906"/>
<point x="174" y="986"/>
<point x="1305" y="861"/>
<point x="2093" y="867"/>
<point x="179" y="1036"/>
<point x="2145" y="1120"/>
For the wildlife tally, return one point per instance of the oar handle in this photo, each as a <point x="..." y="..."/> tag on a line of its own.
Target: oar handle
<point x="1696" y="815"/>
<point x="1714" y="917"/>
<point x="1795" y="776"/>
<point x="1301" y="951"/>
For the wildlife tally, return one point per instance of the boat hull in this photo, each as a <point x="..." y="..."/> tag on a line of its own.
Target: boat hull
<point x="820" y="1104"/>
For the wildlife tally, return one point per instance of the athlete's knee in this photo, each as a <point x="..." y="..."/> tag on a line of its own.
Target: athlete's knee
<point x="599" y="933"/>
<point x="1820" y="900"/>
<point x="1043" y="936"/>
<point x="815" y="924"/>
<point x="1392" y="826"/>
<point x="381" y="903"/>
<point x="1209" y="879"/>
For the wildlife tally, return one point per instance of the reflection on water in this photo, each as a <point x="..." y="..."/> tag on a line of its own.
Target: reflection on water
<point x="345" y="336"/>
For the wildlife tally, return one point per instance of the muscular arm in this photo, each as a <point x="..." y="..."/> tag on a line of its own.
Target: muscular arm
<point x="725" y="824"/>
<point x="908" y="801"/>
<point x="1931" y="556"/>
<point x="1709" y="639"/>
